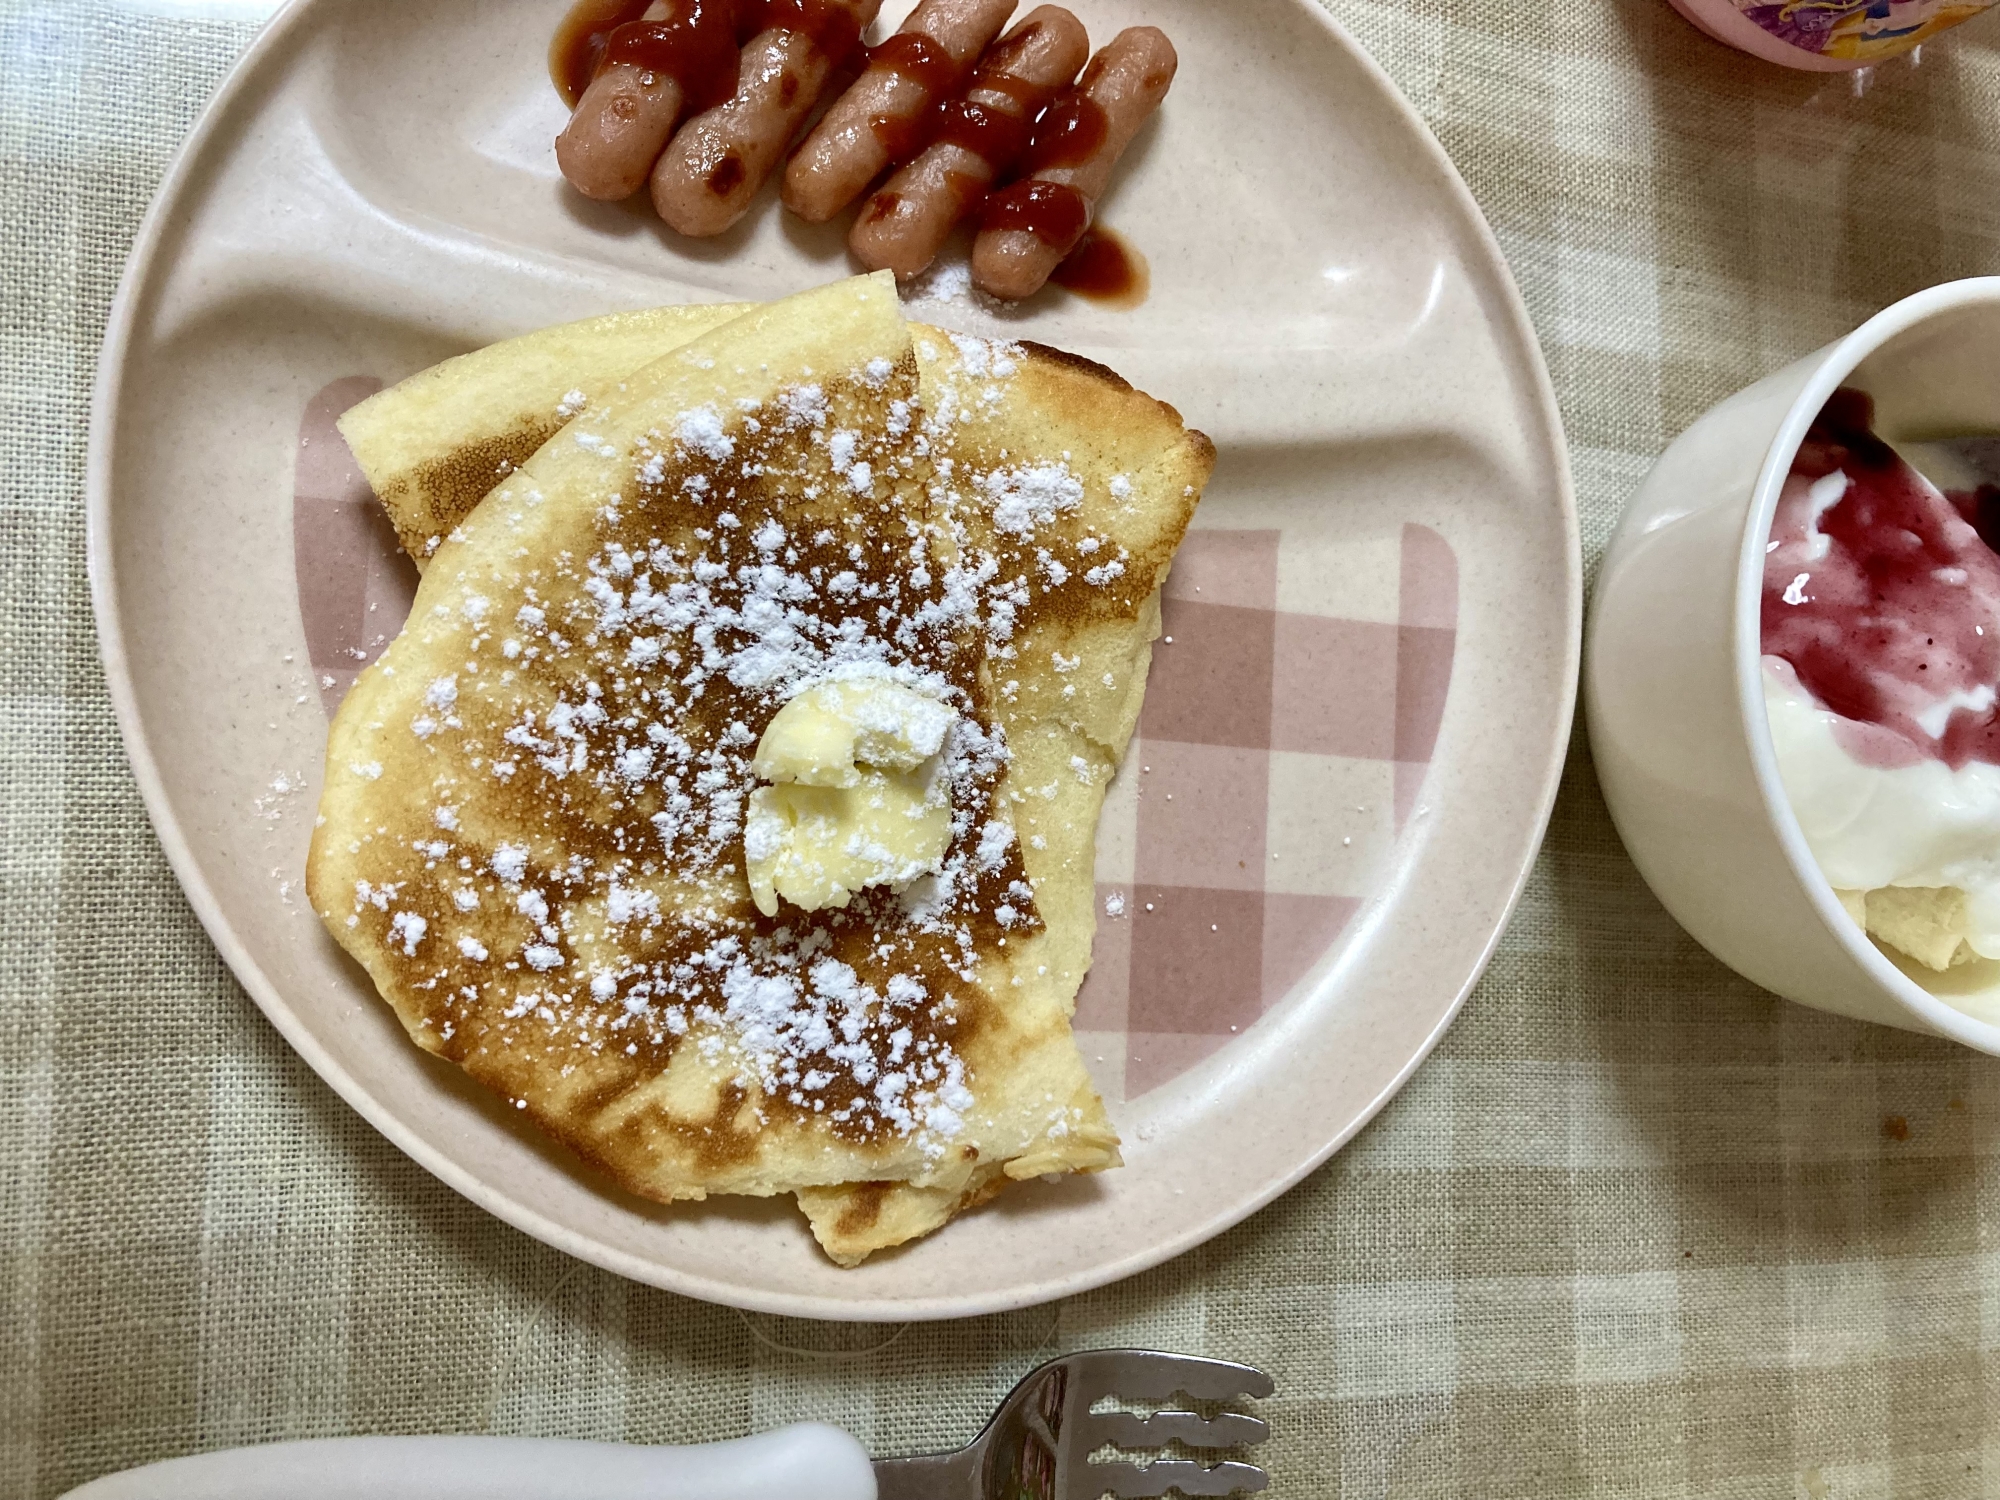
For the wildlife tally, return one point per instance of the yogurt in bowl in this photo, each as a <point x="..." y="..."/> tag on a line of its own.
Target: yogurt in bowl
<point x="1881" y="671"/>
<point x="1792" y="680"/>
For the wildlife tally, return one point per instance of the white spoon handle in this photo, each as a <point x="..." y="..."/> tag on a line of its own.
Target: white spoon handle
<point x="806" y="1462"/>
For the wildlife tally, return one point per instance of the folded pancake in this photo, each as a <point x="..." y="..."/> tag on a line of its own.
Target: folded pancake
<point x="1070" y="692"/>
<point x="433" y="445"/>
<point x="533" y="820"/>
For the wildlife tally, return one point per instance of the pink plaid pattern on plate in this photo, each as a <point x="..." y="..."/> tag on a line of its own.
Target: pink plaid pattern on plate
<point x="1279" y="754"/>
<point x="355" y="584"/>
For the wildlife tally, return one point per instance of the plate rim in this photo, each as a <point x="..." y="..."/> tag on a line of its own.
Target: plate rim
<point x="135" y="280"/>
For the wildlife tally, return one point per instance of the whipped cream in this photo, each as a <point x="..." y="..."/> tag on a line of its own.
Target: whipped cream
<point x="1921" y="824"/>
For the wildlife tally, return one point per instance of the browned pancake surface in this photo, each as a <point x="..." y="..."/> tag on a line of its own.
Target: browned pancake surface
<point x="534" y="803"/>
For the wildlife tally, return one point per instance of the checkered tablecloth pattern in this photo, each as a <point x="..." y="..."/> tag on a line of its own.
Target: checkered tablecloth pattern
<point x="1636" y="1229"/>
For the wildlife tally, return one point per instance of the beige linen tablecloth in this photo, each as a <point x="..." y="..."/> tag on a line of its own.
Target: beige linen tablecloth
<point x="1636" y="1229"/>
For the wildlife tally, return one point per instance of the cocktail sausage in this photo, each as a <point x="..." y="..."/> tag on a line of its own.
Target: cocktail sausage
<point x="979" y="139"/>
<point x="711" y="170"/>
<point x="678" y="58"/>
<point x="1027" y="228"/>
<point x="885" y="118"/>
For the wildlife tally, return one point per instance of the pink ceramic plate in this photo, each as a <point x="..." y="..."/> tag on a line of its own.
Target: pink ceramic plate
<point x="1350" y="744"/>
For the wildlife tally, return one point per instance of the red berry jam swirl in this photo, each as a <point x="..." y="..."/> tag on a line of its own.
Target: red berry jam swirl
<point x="1882" y="594"/>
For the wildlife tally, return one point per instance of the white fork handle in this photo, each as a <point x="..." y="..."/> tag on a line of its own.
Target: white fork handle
<point x="806" y="1462"/>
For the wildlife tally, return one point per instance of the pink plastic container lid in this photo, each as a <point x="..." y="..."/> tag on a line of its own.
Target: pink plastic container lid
<point x="1827" y="36"/>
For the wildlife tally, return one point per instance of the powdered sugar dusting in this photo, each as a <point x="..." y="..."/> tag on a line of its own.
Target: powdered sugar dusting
<point x="614" y="702"/>
<point x="949" y="282"/>
<point x="1031" y="496"/>
<point x="702" y="431"/>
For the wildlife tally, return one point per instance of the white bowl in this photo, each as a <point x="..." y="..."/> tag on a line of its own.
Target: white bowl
<point x="1673" y="690"/>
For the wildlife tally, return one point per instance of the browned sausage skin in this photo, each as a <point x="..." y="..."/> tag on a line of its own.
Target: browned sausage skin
<point x="980" y="137"/>
<point x="711" y="170"/>
<point x="885" y="117"/>
<point x="678" y="58"/>
<point x="1027" y="228"/>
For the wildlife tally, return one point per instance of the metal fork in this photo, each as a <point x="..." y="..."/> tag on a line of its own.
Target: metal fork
<point x="1038" y="1445"/>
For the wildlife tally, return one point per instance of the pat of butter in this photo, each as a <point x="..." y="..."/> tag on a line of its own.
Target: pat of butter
<point x="817" y="845"/>
<point x="857" y="800"/>
<point x="825" y="735"/>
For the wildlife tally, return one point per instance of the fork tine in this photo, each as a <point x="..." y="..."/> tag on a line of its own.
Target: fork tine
<point x="1229" y="1429"/>
<point x="1130" y="1482"/>
<point x="1148" y="1375"/>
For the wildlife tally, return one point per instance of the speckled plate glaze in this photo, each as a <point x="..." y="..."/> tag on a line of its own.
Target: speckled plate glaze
<point x="1350" y="746"/>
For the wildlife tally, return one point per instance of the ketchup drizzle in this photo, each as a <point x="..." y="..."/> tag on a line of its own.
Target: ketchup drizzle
<point x="912" y="56"/>
<point x="578" y="46"/>
<point x="1053" y="212"/>
<point x="989" y="130"/>
<point x="1104" y="268"/>
<point x="922" y="60"/>
<point x="997" y="133"/>
<point x="1069" y="134"/>
<point x="997" y="136"/>
<point x="696" y="45"/>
